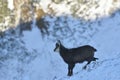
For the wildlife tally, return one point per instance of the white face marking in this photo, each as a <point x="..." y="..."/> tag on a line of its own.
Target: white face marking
<point x="58" y="49"/>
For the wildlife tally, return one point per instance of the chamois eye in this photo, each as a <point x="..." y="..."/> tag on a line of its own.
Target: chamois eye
<point x="57" y="44"/>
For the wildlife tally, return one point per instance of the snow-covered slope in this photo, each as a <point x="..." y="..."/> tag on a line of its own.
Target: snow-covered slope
<point x="32" y="58"/>
<point x="49" y="65"/>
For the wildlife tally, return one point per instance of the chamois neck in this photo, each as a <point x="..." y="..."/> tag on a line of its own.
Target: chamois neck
<point x="62" y="47"/>
<point x="63" y="52"/>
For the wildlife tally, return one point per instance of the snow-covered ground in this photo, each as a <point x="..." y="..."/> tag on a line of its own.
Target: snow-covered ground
<point x="49" y="65"/>
<point x="41" y="63"/>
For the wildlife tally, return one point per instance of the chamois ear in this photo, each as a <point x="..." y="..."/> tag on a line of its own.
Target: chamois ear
<point x="59" y="41"/>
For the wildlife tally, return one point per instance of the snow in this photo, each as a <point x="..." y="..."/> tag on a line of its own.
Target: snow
<point x="10" y="4"/>
<point x="40" y="61"/>
<point x="31" y="42"/>
<point x="49" y="65"/>
<point x="89" y="11"/>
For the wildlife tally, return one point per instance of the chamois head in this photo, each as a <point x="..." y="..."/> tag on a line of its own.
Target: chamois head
<point x="57" y="47"/>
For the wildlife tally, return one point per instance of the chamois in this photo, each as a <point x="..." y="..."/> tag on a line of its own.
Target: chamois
<point x="76" y="55"/>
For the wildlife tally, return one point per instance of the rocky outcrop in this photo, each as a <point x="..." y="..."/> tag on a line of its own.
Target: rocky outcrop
<point x="25" y="11"/>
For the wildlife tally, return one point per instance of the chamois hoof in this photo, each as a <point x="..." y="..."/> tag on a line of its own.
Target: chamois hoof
<point x="69" y="74"/>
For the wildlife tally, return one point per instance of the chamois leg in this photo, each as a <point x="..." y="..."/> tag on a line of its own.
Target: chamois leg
<point x="86" y="65"/>
<point x="89" y="61"/>
<point x="70" y="69"/>
<point x="94" y="59"/>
